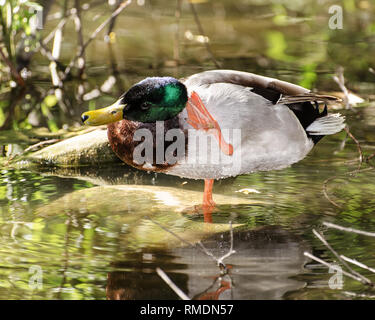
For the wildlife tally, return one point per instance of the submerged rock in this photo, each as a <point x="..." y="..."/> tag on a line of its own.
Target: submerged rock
<point x="87" y="149"/>
<point x="134" y="206"/>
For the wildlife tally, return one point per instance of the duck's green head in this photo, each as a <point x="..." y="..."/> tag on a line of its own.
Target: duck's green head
<point x="153" y="99"/>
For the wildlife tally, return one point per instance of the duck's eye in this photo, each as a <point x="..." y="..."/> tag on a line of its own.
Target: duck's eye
<point x="113" y="112"/>
<point x="145" y="105"/>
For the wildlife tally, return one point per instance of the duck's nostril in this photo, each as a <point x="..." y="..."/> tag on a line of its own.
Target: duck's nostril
<point x="84" y="118"/>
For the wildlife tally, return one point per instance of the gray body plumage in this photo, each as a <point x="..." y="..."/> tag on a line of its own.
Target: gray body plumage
<point x="264" y="135"/>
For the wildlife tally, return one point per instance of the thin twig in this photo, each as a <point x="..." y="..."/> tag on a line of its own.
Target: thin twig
<point x="171" y="232"/>
<point x="121" y="7"/>
<point x="357" y="263"/>
<point x="202" y="248"/>
<point x="12" y="69"/>
<point x="231" y="251"/>
<point x="115" y="71"/>
<point x="78" y="25"/>
<point x="340" y="80"/>
<point x="57" y="40"/>
<point x="113" y="20"/>
<point x="358" y="146"/>
<point x="176" y="46"/>
<point x="325" y="183"/>
<point x="331" y="266"/>
<point x="325" y="192"/>
<point x="370" y="157"/>
<point x="50" y="36"/>
<point x="335" y="226"/>
<point x="171" y="284"/>
<point x="324" y="241"/>
<point x="343" y="143"/>
<point x="210" y="254"/>
<point x="40" y="144"/>
<point x="47" y="53"/>
<point x="359" y="295"/>
<point x="201" y="31"/>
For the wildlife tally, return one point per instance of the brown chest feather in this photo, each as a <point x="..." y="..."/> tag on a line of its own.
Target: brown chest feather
<point x="120" y="136"/>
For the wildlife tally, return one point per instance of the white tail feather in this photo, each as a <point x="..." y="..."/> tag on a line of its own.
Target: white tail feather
<point x="326" y="125"/>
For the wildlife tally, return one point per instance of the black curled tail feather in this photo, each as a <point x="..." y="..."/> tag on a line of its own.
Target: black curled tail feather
<point x="307" y="113"/>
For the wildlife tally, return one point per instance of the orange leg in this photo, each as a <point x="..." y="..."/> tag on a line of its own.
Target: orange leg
<point x="208" y="204"/>
<point x="207" y="197"/>
<point x="200" y="119"/>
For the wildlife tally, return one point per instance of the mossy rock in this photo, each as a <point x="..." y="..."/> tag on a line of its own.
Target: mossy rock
<point x="87" y="149"/>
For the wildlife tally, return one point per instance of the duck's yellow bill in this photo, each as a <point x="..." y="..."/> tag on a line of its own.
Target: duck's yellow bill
<point x="106" y="115"/>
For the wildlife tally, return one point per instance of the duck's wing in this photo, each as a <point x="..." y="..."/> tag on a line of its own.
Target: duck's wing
<point x="274" y="90"/>
<point x="303" y="102"/>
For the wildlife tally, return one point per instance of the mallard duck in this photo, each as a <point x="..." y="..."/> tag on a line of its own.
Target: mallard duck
<point x="215" y="124"/>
